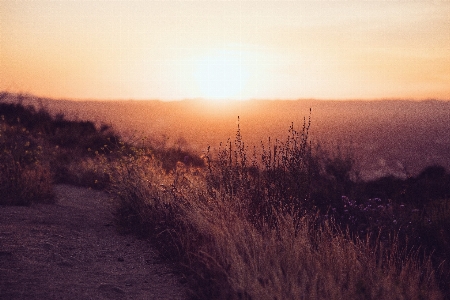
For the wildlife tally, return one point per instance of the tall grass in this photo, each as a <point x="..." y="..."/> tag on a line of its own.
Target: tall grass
<point x="250" y="229"/>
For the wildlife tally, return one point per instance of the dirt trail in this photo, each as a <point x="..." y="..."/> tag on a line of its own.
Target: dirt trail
<point x="71" y="250"/>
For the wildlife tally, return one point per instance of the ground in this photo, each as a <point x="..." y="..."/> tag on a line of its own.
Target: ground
<point x="72" y="250"/>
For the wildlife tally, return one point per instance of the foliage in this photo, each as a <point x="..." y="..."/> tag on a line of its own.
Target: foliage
<point x="24" y="173"/>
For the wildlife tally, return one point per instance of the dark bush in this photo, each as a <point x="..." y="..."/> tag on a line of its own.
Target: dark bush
<point x="169" y="158"/>
<point x="25" y="175"/>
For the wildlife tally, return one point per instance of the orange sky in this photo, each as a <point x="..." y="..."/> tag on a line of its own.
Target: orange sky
<point x="173" y="50"/>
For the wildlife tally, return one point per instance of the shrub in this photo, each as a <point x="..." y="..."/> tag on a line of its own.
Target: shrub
<point x="67" y="149"/>
<point x="169" y="158"/>
<point x="25" y="175"/>
<point x="84" y="171"/>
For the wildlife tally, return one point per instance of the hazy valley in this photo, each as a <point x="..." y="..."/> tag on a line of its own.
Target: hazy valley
<point x="385" y="137"/>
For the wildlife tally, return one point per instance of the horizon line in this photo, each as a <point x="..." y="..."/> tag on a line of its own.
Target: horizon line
<point x="231" y="100"/>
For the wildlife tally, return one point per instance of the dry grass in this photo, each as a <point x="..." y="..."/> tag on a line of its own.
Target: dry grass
<point x="229" y="258"/>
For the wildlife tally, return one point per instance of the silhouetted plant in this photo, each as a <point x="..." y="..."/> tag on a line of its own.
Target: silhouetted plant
<point x="278" y="182"/>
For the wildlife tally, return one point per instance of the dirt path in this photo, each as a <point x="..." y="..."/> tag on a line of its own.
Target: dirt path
<point x="72" y="250"/>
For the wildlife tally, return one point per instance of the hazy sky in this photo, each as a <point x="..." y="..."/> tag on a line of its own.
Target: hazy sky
<point x="226" y="49"/>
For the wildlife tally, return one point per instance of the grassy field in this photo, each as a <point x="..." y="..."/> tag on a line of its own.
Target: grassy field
<point x="286" y="221"/>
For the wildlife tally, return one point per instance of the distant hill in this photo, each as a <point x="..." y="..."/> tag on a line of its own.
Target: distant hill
<point x="386" y="137"/>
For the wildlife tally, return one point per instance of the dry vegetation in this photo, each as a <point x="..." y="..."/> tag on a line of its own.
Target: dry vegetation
<point x="286" y="221"/>
<point x="243" y="230"/>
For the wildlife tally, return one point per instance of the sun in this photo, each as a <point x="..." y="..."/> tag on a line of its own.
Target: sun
<point x="221" y="75"/>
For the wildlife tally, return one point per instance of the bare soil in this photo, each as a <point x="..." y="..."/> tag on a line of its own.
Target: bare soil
<point x="72" y="250"/>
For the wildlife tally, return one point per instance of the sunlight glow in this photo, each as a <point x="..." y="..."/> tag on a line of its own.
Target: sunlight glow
<point x="221" y="75"/>
<point x="226" y="50"/>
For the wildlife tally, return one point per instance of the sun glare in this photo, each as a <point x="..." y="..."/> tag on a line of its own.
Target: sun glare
<point x="221" y="75"/>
